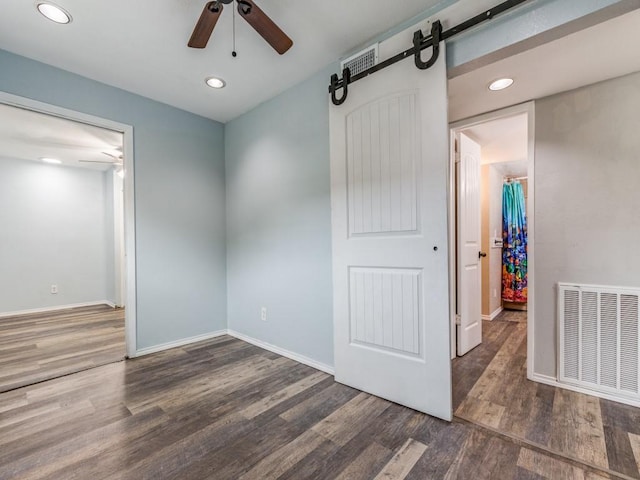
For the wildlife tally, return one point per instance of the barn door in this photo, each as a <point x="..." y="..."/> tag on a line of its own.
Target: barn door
<point x="389" y="160"/>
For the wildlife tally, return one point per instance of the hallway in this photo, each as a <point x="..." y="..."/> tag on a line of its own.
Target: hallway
<point x="491" y="389"/>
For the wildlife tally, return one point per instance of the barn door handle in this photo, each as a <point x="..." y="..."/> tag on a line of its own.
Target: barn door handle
<point x="418" y="38"/>
<point x="346" y="79"/>
<point x="481" y="254"/>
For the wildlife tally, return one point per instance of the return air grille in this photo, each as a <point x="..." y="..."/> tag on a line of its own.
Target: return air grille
<point x="361" y="61"/>
<point x="599" y="338"/>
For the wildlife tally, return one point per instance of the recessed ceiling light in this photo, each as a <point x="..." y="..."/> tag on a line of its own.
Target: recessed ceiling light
<point x="215" y="82"/>
<point x="54" y="12"/>
<point x="500" y="84"/>
<point x="54" y="161"/>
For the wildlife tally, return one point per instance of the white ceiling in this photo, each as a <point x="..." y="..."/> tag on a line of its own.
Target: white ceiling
<point x="141" y="45"/>
<point x="601" y="52"/>
<point x="502" y="140"/>
<point x="28" y="135"/>
<point x="511" y="169"/>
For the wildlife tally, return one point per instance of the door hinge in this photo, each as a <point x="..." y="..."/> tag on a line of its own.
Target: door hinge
<point x="457" y="319"/>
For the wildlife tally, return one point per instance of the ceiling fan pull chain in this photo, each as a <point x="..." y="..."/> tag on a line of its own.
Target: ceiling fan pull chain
<point x="234" y="54"/>
<point x="254" y="16"/>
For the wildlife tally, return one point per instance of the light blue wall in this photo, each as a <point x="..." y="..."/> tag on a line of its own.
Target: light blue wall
<point x="279" y="221"/>
<point x="57" y="229"/>
<point x="180" y="197"/>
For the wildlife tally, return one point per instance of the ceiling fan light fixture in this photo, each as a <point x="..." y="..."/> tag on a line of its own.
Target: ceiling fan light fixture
<point x="53" y="161"/>
<point x="215" y="82"/>
<point x="54" y="12"/>
<point x="500" y="84"/>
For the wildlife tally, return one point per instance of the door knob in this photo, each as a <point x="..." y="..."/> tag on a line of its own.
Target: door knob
<point x="481" y="254"/>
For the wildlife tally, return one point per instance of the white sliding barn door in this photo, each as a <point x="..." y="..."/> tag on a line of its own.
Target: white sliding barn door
<point x="389" y="160"/>
<point x="469" y="245"/>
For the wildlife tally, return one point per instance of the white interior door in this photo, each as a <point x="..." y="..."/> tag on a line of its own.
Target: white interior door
<point x="469" y="244"/>
<point x="389" y="158"/>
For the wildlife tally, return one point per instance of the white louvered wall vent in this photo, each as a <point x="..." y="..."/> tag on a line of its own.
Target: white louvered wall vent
<point x="361" y="61"/>
<point x="599" y="339"/>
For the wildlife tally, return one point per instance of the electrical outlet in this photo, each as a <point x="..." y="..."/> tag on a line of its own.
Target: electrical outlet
<point x="263" y="314"/>
<point x="495" y="293"/>
<point x="54" y="289"/>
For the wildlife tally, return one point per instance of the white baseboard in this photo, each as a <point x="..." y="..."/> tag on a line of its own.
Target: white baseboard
<point x="546" y="379"/>
<point x="56" y="308"/>
<point x="285" y="353"/>
<point x="552" y="381"/>
<point x="497" y="312"/>
<point x="179" y="343"/>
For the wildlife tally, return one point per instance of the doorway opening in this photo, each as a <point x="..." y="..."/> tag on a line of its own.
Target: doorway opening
<point x="491" y="260"/>
<point x="491" y="255"/>
<point x="68" y="301"/>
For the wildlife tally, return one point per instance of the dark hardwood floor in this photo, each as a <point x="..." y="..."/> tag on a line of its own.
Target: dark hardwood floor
<point x="224" y="409"/>
<point x="491" y="389"/>
<point x="42" y="346"/>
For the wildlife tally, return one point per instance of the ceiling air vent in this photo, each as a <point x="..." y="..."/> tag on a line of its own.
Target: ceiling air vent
<point x="361" y="61"/>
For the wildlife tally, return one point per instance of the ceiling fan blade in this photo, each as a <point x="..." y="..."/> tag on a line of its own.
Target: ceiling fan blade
<point x="108" y="162"/>
<point x="264" y="26"/>
<point x="204" y="27"/>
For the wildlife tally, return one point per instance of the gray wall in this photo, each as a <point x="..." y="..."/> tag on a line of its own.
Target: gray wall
<point x="55" y="230"/>
<point x="180" y="197"/>
<point x="495" y="227"/>
<point x="279" y="221"/>
<point x="587" y="176"/>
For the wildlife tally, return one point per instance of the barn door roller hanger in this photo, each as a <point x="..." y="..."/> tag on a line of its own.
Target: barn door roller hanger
<point x="420" y="43"/>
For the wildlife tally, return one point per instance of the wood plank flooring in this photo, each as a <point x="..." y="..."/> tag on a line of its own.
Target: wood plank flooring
<point x="224" y="409"/>
<point x="42" y="346"/>
<point x="491" y="389"/>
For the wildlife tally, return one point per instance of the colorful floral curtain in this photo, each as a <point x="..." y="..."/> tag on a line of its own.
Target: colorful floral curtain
<point x="514" y="249"/>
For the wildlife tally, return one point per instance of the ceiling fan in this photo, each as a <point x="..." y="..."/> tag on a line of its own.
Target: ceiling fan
<point x="251" y="13"/>
<point x="115" y="159"/>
